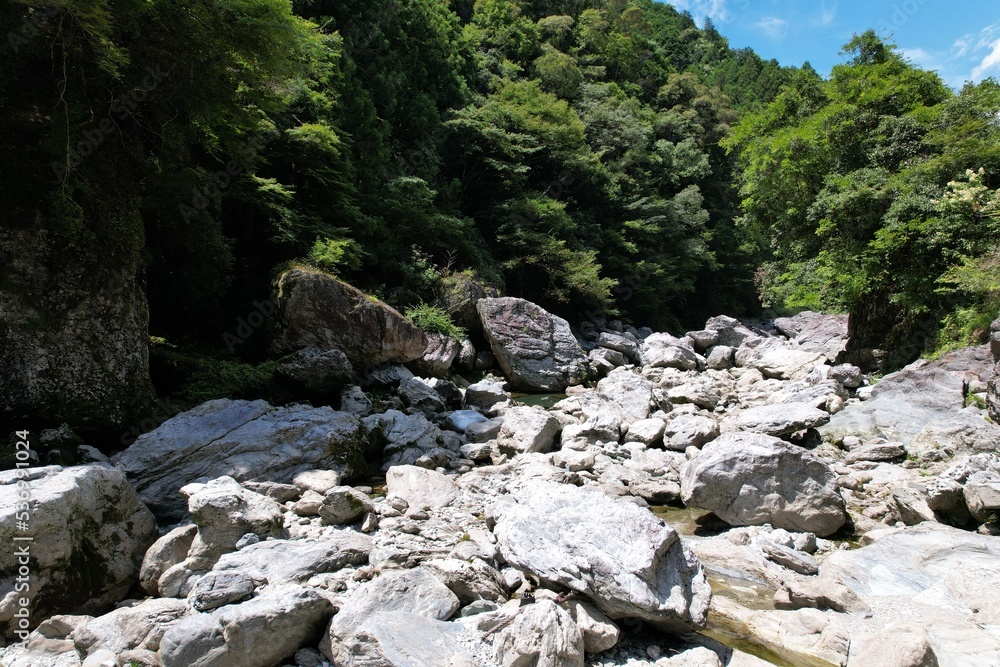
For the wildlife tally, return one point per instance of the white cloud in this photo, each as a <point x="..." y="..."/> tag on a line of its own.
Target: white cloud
<point x="961" y="46"/>
<point x="920" y="57"/>
<point x="990" y="63"/>
<point x="700" y="9"/>
<point x="988" y="35"/>
<point x="826" y="16"/>
<point x="772" y="26"/>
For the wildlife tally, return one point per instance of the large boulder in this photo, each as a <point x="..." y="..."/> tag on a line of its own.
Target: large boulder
<point x="88" y="531"/>
<point x="729" y="331"/>
<point x="542" y="634"/>
<point x="224" y="512"/>
<point x="317" y="310"/>
<point x="261" y="631"/>
<point x="661" y="350"/>
<point x="438" y="356"/>
<point x="169" y="550"/>
<point x="315" y="371"/>
<point x="460" y="292"/>
<point x="74" y="330"/>
<point x="942" y="578"/>
<point x="750" y="479"/>
<point x="629" y="390"/>
<point x="627" y="561"/>
<point x="777" y="358"/>
<point x="407" y="439"/>
<point x="536" y="350"/>
<point x="140" y="626"/>
<point x="401" y="639"/>
<point x="902" y="404"/>
<point x="245" y="440"/>
<point x="421" y="488"/>
<point x="528" y="429"/>
<point x="414" y="591"/>
<point x="816" y="332"/>
<point x="296" y="561"/>
<point x="782" y="419"/>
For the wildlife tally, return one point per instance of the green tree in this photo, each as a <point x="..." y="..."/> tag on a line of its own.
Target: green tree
<point x="843" y="179"/>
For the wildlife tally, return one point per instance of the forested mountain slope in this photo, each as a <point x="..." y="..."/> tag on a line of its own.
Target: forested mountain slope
<point x="162" y="160"/>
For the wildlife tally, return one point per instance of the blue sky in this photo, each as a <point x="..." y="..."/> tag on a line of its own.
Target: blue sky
<point x="960" y="40"/>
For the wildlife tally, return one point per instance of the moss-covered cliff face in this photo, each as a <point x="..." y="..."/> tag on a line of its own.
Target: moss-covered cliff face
<point x="73" y="321"/>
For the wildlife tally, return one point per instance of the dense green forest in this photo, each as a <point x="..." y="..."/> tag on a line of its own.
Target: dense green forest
<point x="594" y="156"/>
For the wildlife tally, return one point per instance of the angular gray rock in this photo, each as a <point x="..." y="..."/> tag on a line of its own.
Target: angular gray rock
<point x="261" y="631"/>
<point x="317" y="310"/>
<point x="722" y="357"/>
<point x="528" y="429"/>
<point x="685" y="431"/>
<point x="536" y="350"/>
<point x="902" y="404"/>
<point x="469" y="580"/>
<point x="401" y="639"/>
<point x="216" y="589"/>
<point x="604" y="360"/>
<point x="479" y="432"/>
<point x="542" y="634"/>
<point x="899" y="645"/>
<point x="344" y="505"/>
<point x="662" y="350"/>
<point x="316" y="371"/>
<point x="485" y="394"/>
<point x="415" y="591"/>
<point x="750" y="479"/>
<point x="942" y="578"/>
<point x="624" y="343"/>
<point x="353" y="400"/>
<point x="297" y="561"/>
<point x="628" y="562"/>
<point x="421" y="488"/>
<point x="460" y="420"/>
<point x="816" y="332"/>
<point x="631" y="391"/>
<point x="417" y="394"/>
<point x="438" y="357"/>
<point x="408" y="438"/>
<point x="169" y="550"/>
<point x="90" y="532"/>
<point x="224" y="512"/>
<point x="319" y="481"/>
<point x="140" y="626"/>
<point x="777" y="358"/>
<point x="782" y="419"/>
<point x="982" y="496"/>
<point x="246" y="440"/>
<point x="599" y="632"/>
<point x="703" y="339"/>
<point x="883" y="451"/>
<point x="731" y="332"/>
<point x="646" y="431"/>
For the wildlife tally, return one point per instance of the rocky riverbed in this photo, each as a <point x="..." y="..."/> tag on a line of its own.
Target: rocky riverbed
<point x="731" y="497"/>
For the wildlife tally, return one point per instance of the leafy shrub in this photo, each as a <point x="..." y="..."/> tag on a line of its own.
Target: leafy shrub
<point x="431" y="319"/>
<point x="229" y="379"/>
<point x="329" y="255"/>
